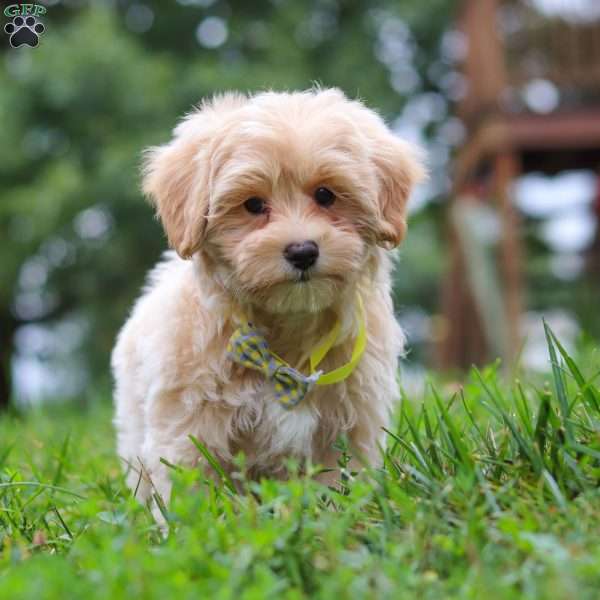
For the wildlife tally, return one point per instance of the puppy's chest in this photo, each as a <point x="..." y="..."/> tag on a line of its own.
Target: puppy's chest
<point x="269" y="429"/>
<point x="264" y="427"/>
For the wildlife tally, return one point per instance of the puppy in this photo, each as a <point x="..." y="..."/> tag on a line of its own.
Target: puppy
<point x="281" y="209"/>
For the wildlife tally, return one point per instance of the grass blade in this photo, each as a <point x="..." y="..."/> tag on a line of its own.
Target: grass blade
<point x="214" y="463"/>
<point x="559" y="383"/>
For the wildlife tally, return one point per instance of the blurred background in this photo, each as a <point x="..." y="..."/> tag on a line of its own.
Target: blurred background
<point x="503" y="95"/>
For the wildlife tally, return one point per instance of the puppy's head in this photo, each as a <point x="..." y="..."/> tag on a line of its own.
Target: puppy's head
<point x="288" y="194"/>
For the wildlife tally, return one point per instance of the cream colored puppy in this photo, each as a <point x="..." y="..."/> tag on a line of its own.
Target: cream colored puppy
<point x="281" y="208"/>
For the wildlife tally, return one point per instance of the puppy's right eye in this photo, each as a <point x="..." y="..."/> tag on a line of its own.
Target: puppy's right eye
<point x="255" y="206"/>
<point x="324" y="197"/>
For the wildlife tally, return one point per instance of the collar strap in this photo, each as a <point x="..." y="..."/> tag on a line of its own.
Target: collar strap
<point x="249" y="348"/>
<point x="319" y="353"/>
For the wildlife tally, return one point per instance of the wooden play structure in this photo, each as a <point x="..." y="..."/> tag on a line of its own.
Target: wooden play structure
<point x="509" y="45"/>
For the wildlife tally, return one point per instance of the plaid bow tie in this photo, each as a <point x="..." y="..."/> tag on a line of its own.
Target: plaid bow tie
<point x="249" y="348"/>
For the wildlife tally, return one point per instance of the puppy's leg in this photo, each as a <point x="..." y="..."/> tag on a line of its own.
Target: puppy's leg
<point x="130" y="427"/>
<point x="155" y="483"/>
<point x="169" y="444"/>
<point x="129" y="420"/>
<point x="167" y="438"/>
<point x="365" y="440"/>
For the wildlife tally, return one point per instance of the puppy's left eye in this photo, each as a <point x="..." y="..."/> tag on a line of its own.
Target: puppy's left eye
<point x="255" y="206"/>
<point x="324" y="196"/>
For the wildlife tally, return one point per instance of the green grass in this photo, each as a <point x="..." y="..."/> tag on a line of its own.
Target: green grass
<point x="488" y="492"/>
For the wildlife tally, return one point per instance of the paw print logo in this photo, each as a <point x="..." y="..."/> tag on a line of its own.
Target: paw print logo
<point x="24" y="31"/>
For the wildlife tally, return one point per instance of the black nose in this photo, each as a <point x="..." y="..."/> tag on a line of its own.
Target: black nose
<point x="302" y="254"/>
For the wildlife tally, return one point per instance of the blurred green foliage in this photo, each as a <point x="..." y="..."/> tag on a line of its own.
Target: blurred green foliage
<point x="77" y="111"/>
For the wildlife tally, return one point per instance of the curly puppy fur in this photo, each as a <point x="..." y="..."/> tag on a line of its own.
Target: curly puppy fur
<point x="172" y="375"/>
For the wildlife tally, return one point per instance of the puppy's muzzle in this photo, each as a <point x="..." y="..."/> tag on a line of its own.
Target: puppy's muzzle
<point x="302" y="255"/>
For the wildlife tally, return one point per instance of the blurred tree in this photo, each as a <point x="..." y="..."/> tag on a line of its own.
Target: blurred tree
<point x="76" y="114"/>
<point x="107" y="81"/>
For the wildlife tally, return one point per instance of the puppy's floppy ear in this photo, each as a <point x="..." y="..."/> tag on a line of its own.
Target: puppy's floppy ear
<point x="173" y="178"/>
<point x="176" y="176"/>
<point x="399" y="168"/>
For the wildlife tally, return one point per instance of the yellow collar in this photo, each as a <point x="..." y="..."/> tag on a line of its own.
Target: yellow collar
<point x="319" y="353"/>
<point x="248" y="347"/>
